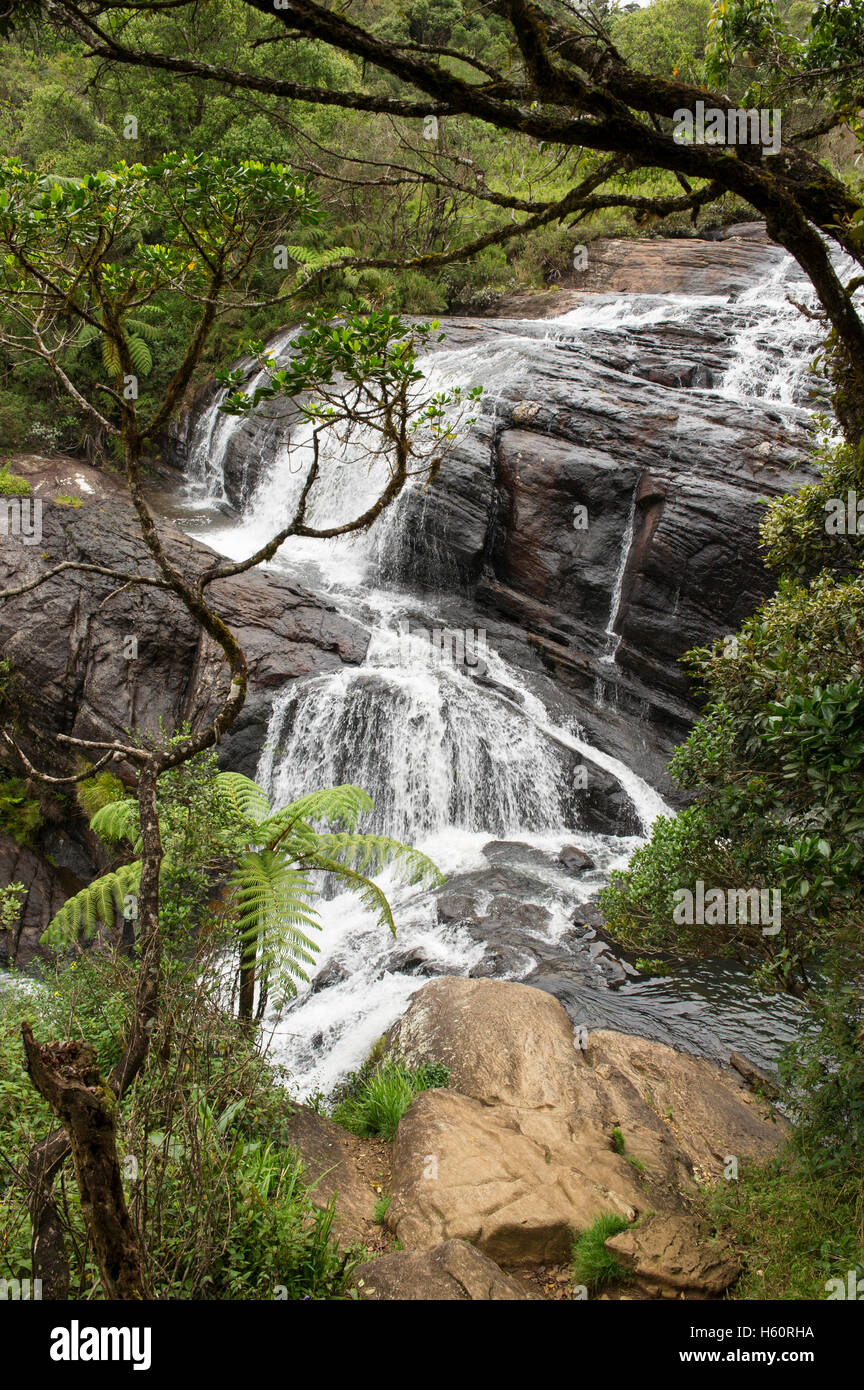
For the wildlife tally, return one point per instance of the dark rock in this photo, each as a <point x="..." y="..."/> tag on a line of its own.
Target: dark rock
<point x="456" y="907"/>
<point x="69" y="641"/>
<point x="575" y="860"/>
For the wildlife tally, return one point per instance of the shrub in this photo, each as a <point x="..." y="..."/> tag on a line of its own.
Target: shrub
<point x="12" y="484"/>
<point x="216" y="1191"/>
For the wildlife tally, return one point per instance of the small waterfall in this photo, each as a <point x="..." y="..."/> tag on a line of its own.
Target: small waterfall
<point x="613" y="638"/>
<point x="770" y="351"/>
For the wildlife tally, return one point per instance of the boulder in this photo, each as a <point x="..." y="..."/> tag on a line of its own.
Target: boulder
<point x="452" y="1272"/>
<point x="516" y="1182"/>
<point x="539" y="1132"/>
<point x="673" y="1256"/>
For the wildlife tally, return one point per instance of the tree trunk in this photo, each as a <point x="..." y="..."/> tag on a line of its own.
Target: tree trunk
<point x="67" y="1076"/>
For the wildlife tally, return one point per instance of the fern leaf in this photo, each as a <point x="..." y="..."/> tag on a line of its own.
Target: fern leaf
<point x="111" y="357"/>
<point x="243" y="796"/>
<point x="118" y="821"/>
<point x="334" y="805"/>
<point x="98" y="903"/>
<point x="142" y="357"/>
<point x="369" y="854"/>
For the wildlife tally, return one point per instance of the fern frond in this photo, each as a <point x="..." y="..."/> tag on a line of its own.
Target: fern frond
<point x="369" y="854"/>
<point x="142" y="357"/>
<point x="334" y="805"/>
<point x="98" y="791"/>
<point x="117" y="821"/>
<point x="368" y="892"/>
<point x="271" y="902"/>
<point x="142" y="329"/>
<point x="244" y="797"/>
<point x="96" y="904"/>
<point x="111" y="357"/>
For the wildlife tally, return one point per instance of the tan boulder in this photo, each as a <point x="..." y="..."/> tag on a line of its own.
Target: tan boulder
<point x="505" y="1044"/>
<point x="671" y="1255"/>
<point x="534" y="1138"/>
<point x="450" y="1272"/>
<point x="708" y="1110"/>
<point x="516" y="1183"/>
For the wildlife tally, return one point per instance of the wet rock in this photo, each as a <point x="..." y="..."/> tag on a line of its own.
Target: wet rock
<point x="456" y="907"/>
<point x="331" y="974"/>
<point x="575" y="860"/>
<point x="415" y="961"/>
<point x="47" y="888"/>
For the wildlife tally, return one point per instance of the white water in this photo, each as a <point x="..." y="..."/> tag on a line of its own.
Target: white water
<point x="453" y="757"/>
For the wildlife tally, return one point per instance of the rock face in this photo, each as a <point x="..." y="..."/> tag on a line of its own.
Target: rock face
<point x="452" y="1272"/>
<point x="93" y="658"/>
<point x="534" y="1138"/>
<point x="96" y="658"/>
<point x="46" y="891"/>
<point x="619" y="422"/>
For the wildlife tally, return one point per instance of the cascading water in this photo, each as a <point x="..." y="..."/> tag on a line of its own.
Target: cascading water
<point x="458" y="753"/>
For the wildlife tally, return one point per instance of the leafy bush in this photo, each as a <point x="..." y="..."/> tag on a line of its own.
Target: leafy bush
<point x="214" y="1189"/>
<point x="12" y="484"/>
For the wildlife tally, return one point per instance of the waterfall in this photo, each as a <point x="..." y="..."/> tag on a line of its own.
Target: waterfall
<point x="455" y="745"/>
<point x="613" y="638"/>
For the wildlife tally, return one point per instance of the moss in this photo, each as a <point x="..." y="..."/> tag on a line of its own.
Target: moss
<point x="65" y="499"/>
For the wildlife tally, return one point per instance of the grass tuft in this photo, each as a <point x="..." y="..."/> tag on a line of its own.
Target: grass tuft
<point x="591" y="1263"/>
<point x="377" y="1099"/>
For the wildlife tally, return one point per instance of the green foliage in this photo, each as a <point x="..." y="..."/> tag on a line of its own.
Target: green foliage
<point x="96" y="792"/>
<point x="591" y="1264"/>
<point x="376" y="1098"/>
<point x="218" y="1194"/>
<point x="793" y="1229"/>
<point x="799" y="535"/>
<point x="12" y="484"/>
<point x="12" y="896"/>
<point x="124" y="257"/>
<point x="775" y="767"/>
<point x="824" y="1080"/>
<point x="20" y="812"/>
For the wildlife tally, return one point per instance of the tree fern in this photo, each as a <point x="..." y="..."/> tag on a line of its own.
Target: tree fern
<point x="271" y="900"/>
<point x="271" y="889"/>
